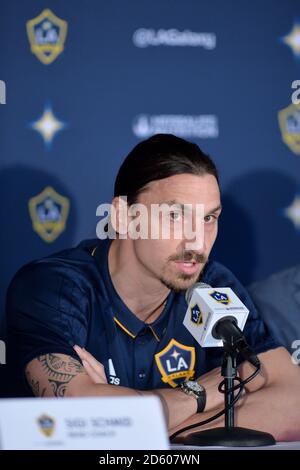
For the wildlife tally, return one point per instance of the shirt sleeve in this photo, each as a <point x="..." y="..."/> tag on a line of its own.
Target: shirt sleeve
<point x="47" y="311"/>
<point x="276" y="300"/>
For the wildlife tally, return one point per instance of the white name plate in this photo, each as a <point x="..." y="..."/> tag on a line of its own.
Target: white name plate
<point x="83" y="423"/>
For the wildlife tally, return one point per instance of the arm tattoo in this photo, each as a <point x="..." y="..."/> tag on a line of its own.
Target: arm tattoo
<point x="60" y="371"/>
<point x="35" y="385"/>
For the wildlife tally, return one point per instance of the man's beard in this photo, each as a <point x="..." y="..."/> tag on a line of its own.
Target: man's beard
<point x="181" y="283"/>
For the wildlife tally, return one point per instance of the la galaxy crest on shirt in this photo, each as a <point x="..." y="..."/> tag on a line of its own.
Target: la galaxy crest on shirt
<point x="176" y="362"/>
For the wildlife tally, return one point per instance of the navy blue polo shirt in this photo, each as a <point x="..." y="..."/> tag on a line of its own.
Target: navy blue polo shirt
<point x="69" y="298"/>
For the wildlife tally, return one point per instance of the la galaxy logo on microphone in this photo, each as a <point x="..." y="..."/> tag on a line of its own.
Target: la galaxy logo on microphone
<point x="220" y="297"/>
<point x="176" y="362"/>
<point x="196" y="315"/>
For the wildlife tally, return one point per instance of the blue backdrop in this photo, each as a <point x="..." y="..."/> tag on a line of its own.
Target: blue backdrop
<point x="85" y="81"/>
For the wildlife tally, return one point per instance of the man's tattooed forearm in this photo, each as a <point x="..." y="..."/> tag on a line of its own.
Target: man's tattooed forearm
<point x="35" y="386"/>
<point x="60" y="371"/>
<point x="58" y="388"/>
<point x="56" y="366"/>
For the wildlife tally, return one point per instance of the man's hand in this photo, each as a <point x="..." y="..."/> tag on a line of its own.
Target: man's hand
<point x="271" y="402"/>
<point x="93" y="368"/>
<point x="210" y="380"/>
<point x="61" y="375"/>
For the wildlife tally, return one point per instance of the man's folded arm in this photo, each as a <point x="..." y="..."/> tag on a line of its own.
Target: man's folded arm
<point x="272" y="403"/>
<point x="60" y="375"/>
<point x="50" y="375"/>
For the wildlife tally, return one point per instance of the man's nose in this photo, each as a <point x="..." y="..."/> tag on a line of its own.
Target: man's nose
<point x="194" y="233"/>
<point x="195" y="244"/>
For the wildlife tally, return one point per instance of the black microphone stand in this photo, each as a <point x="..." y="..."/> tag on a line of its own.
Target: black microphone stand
<point x="230" y="435"/>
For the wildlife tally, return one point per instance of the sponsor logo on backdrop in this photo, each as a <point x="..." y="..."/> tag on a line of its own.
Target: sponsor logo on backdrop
<point x="292" y="39"/>
<point x="48" y="125"/>
<point x="176" y="363"/>
<point x="289" y="123"/>
<point x="293" y="212"/>
<point x="2" y="92"/>
<point x="47" y="35"/>
<point x="46" y="425"/>
<point x="145" y="37"/>
<point x="49" y="212"/>
<point x="201" y="126"/>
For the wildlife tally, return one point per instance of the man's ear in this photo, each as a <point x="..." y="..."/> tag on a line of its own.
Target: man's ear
<point x="119" y="218"/>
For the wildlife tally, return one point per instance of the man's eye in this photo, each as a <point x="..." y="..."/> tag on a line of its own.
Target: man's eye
<point x="210" y="218"/>
<point x="175" y="215"/>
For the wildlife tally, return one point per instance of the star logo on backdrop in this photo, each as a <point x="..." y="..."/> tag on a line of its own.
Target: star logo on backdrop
<point x="292" y="39"/>
<point x="48" y="125"/>
<point x="293" y="212"/>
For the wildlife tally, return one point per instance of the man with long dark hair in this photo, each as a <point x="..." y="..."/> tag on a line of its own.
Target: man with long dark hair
<point x="105" y="318"/>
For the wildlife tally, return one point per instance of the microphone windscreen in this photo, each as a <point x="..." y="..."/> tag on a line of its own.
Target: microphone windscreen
<point x="190" y="290"/>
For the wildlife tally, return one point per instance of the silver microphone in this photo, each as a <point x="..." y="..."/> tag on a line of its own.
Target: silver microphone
<point x="216" y="316"/>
